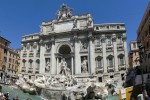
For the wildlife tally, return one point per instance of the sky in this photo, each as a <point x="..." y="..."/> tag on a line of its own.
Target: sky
<point x="23" y="17"/>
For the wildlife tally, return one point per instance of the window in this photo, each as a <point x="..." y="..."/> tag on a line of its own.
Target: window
<point x="110" y="61"/>
<point x="38" y="63"/>
<point x="99" y="62"/>
<point x="98" y="42"/>
<point x="5" y="51"/>
<point x="121" y="60"/>
<point x="97" y="28"/>
<point x="109" y="41"/>
<point x="134" y="45"/>
<point x="119" y="40"/>
<point x="117" y="27"/>
<point x="5" y="59"/>
<point x="9" y="59"/>
<point x="5" y="43"/>
<point x="9" y="65"/>
<point x="24" y="62"/>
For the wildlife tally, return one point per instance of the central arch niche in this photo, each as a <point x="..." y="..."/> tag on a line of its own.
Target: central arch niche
<point x="64" y="49"/>
<point x="65" y="52"/>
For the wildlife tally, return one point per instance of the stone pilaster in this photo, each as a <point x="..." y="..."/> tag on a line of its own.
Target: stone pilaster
<point x="53" y="59"/>
<point x="103" y="39"/>
<point x="115" y="52"/>
<point x="77" y="55"/>
<point x="91" y="54"/>
<point x="125" y="50"/>
<point x="42" y="58"/>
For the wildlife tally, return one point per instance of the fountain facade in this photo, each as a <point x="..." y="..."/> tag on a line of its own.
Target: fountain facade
<point x="70" y="53"/>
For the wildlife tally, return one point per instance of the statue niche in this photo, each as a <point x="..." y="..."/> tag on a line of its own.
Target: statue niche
<point x="47" y="67"/>
<point x="64" y="70"/>
<point x="84" y="65"/>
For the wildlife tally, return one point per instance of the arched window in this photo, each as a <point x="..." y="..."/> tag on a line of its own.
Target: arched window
<point x="99" y="62"/>
<point x="110" y="61"/>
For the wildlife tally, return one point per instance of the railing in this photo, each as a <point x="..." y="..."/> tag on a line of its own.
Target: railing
<point x="30" y="54"/>
<point x="99" y="70"/>
<point x="23" y="69"/>
<point x="30" y="70"/>
<point x="110" y="68"/>
<point x="37" y="70"/>
<point x="121" y="67"/>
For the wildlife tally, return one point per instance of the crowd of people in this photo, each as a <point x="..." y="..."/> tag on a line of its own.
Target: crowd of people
<point x="5" y="96"/>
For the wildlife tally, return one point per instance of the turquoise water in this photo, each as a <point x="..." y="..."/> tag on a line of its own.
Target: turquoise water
<point x="22" y="96"/>
<point x="110" y="97"/>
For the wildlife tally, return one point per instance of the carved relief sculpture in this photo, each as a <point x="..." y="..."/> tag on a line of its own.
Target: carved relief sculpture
<point x="48" y="48"/>
<point x="83" y="45"/>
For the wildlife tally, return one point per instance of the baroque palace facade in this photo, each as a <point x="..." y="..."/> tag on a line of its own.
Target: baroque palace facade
<point x="73" y="44"/>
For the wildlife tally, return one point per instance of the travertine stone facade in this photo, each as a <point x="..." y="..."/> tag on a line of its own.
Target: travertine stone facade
<point x="73" y="41"/>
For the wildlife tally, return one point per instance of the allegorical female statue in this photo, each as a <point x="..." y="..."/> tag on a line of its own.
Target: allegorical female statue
<point x="84" y="65"/>
<point x="47" y="68"/>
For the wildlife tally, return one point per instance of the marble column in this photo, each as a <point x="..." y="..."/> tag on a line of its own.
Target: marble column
<point x="115" y="52"/>
<point x="53" y="59"/>
<point x="125" y="50"/>
<point x="72" y="65"/>
<point x="77" y="55"/>
<point x="104" y="53"/>
<point x="57" y="64"/>
<point x="91" y="54"/>
<point x="42" y="58"/>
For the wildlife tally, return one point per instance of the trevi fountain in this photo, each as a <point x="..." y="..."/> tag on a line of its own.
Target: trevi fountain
<point x="72" y="58"/>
